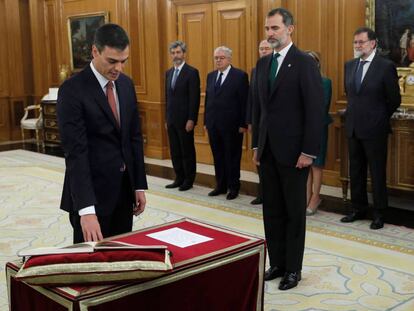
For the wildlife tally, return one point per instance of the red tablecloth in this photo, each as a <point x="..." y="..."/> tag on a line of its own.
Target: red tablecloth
<point x="225" y="273"/>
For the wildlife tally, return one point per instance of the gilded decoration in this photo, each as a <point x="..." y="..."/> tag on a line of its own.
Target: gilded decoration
<point x="393" y="22"/>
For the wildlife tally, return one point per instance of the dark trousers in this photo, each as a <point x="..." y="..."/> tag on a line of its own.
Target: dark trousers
<point x="284" y="211"/>
<point x="364" y="154"/>
<point x="120" y="221"/>
<point x="183" y="154"/>
<point x="226" y="146"/>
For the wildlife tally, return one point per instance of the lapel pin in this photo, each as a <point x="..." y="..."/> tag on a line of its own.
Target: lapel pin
<point x="289" y="65"/>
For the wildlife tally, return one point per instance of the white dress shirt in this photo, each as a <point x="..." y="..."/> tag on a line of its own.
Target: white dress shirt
<point x="224" y="76"/>
<point x="369" y="61"/>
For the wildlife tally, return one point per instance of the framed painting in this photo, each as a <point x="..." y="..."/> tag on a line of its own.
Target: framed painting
<point x="81" y="30"/>
<point x="393" y="21"/>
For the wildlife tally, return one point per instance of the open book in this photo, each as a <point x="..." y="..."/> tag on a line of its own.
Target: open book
<point x="86" y="247"/>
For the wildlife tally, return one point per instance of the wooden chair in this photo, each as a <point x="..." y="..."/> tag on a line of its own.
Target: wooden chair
<point x="34" y="124"/>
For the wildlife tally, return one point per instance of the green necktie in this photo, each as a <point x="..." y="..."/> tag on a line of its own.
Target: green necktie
<point x="273" y="69"/>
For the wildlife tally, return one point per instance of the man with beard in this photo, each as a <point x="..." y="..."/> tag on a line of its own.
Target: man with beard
<point x="287" y="125"/>
<point x="371" y="86"/>
<point x="182" y="100"/>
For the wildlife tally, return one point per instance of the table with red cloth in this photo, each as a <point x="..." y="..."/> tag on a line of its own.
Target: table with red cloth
<point x="225" y="273"/>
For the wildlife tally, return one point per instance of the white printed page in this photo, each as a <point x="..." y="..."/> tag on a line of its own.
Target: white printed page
<point x="179" y="237"/>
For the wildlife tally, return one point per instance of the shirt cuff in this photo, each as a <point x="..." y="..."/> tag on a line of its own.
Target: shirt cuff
<point x="87" y="210"/>
<point x="139" y="190"/>
<point x="308" y="155"/>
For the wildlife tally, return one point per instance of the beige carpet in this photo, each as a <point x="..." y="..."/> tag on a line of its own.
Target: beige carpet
<point x="346" y="267"/>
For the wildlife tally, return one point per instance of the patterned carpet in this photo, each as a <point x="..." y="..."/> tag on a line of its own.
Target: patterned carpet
<point x="346" y="267"/>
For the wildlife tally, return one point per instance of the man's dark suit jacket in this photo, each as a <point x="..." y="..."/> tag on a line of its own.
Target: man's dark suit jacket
<point x="289" y="116"/>
<point x="369" y="110"/>
<point x="95" y="148"/>
<point x="226" y="109"/>
<point x="250" y="97"/>
<point x="182" y="102"/>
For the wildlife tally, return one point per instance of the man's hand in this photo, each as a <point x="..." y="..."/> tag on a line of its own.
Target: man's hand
<point x="304" y="161"/>
<point x="189" y="126"/>
<point x="242" y="130"/>
<point x="90" y="228"/>
<point x="140" y="202"/>
<point x="255" y="161"/>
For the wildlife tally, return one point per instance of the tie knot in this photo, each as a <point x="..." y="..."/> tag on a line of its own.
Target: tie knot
<point x="276" y="55"/>
<point x="363" y="62"/>
<point x="110" y="85"/>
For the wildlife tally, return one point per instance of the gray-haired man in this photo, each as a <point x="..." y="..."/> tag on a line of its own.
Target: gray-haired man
<point x="182" y="100"/>
<point x="225" y="120"/>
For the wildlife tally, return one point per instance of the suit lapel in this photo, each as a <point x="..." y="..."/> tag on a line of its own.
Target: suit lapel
<point x="287" y="65"/>
<point x="263" y="78"/>
<point x="169" y="78"/>
<point x="181" y="76"/>
<point x="370" y="72"/>
<point x="226" y="82"/>
<point x="354" y="67"/>
<point x="210" y="84"/>
<point x="100" y="97"/>
<point x="122" y="100"/>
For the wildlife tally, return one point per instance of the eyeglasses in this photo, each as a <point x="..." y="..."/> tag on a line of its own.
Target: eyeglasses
<point x="360" y="42"/>
<point x="220" y="57"/>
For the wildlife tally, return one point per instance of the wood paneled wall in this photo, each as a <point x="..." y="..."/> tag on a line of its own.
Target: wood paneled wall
<point x="38" y="44"/>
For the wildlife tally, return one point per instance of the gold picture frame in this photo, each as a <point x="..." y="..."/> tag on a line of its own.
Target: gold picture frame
<point x="81" y="30"/>
<point x="396" y="40"/>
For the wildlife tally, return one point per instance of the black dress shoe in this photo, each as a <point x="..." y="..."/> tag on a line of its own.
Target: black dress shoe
<point x="216" y="192"/>
<point x="185" y="187"/>
<point x="273" y="273"/>
<point x="257" y="201"/>
<point x="175" y="184"/>
<point x="353" y="216"/>
<point x="377" y="223"/>
<point x="290" y="280"/>
<point x="232" y="195"/>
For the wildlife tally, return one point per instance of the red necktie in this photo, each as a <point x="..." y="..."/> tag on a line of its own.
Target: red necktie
<point x="111" y="99"/>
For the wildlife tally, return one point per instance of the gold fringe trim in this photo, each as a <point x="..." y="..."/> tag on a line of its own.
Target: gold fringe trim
<point x="354" y="238"/>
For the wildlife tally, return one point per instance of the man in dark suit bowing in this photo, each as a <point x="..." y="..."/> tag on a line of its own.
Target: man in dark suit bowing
<point x="102" y="142"/>
<point x="287" y="124"/>
<point x="182" y="100"/>
<point x="371" y="86"/>
<point x="225" y="120"/>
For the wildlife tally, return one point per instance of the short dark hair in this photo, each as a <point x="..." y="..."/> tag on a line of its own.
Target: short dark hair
<point x="176" y="44"/>
<point x="111" y="35"/>
<point x="371" y="33"/>
<point x="287" y="17"/>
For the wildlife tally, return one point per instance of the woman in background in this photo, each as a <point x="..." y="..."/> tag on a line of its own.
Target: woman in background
<point x="315" y="173"/>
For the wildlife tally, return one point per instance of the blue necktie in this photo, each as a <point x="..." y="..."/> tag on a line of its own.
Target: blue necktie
<point x="218" y="83"/>
<point x="174" y="78"/>
<point x="358" y="74"/>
